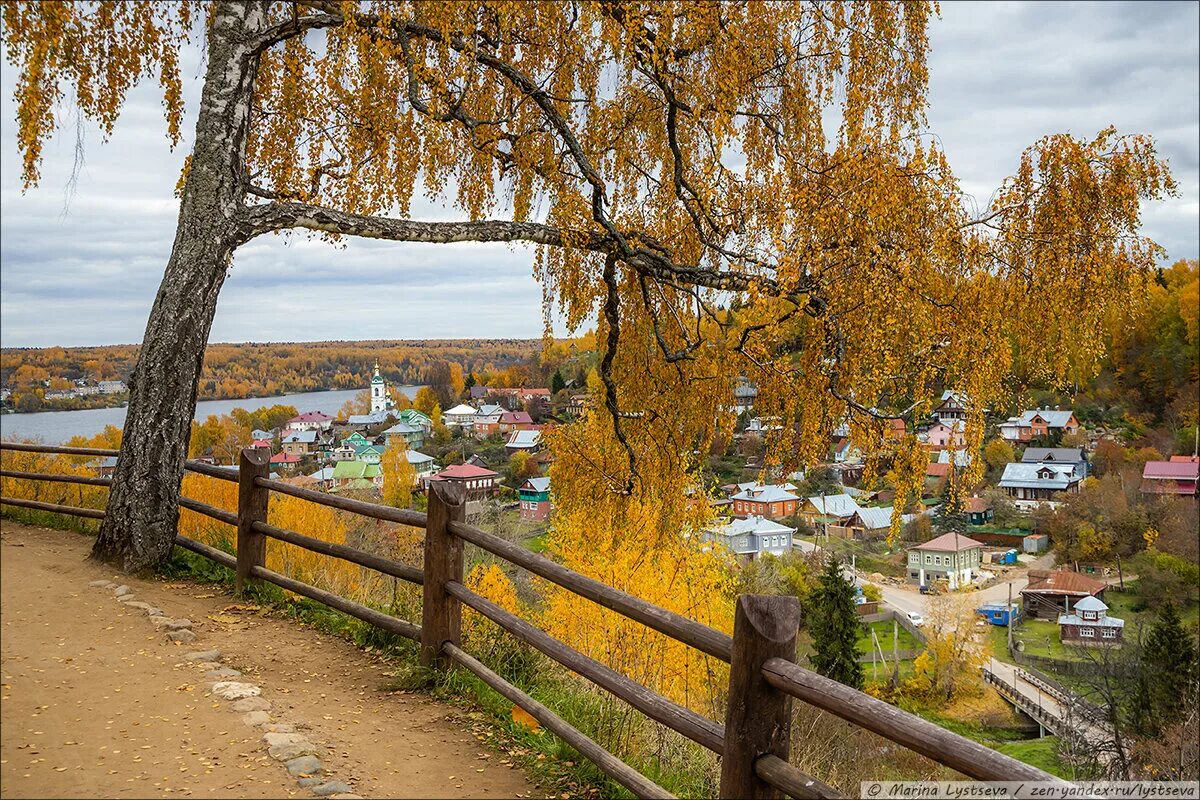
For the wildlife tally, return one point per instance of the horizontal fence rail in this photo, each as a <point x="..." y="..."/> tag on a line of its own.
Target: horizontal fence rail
<point x="771" y="680"/>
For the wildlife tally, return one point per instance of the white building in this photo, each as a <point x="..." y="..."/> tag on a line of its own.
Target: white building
<point x="753" y="536"/>
<point x="380" y="401"/>
<point x="462" y="415"/>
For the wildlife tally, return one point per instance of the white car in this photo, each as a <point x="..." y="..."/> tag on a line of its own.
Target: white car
<point x="915" y="618"/>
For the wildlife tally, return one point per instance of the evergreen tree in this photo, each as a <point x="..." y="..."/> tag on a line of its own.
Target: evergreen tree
<point x="557" y="384"/>
<point x="470" y="381"/>
<point x="1170" y="666"/>
<point x="835" y="628"/>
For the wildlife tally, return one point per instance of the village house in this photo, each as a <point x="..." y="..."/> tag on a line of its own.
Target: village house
<point x="413" y="435"/>
<point x="1088" y="625"/>
<point x="299" y="443"/>
<point x="843" y="452"/>
<point x="535" y="503"/>
<point x="872" y="523"/>
<point x="1075" y="456"/>
<point x="461" y="416"/>
<point x="951" y="557"/>
<point x="285" y="461"/>
<point x="357" y="475"/>
<point x="1050" y="594"/>
<point x="1031" y="485"/>
<point x="744" y="395"/>
<point x="309" y="421"/>
<point x="1177" y="478"/>
<point x="410" y="416"/>
<point x="952" y="407"/>
<point x="369" y="453"/>
<point x="1038" y="424"/>
<point x="112" y="387"/>
<point x="765" y="500"/>
<point x="477" y="481"/>
<point x="978" y="510"/>
<point x="753" y="536"/>
<point x="515" y="421"/>
<point x="830" y="509"/>
<point x="261" y="444"/>
<point x="323" y="477"/>
<point x="422" y="465"/>
<point x="731" y="489"/>
<point x="487" y="420"/>
<point x="523" y="441"/>
<point x="941" y="434"/>
<point x="578" y="404"/>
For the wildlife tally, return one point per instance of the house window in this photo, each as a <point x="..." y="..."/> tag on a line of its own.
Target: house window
<point x="1087" y="633"/>
<point x="1109" y="633"/>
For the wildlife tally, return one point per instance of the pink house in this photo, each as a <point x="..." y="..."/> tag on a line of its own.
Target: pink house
<point x="941" y="435"/>
<point x="1178" y="478"/>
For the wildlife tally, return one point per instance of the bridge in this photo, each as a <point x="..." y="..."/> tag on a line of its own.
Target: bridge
<point x="1052" y="706"/>
<point x="753" y="743"/>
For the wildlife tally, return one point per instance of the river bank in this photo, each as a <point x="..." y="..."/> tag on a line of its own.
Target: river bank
<point x="56" y="427"/>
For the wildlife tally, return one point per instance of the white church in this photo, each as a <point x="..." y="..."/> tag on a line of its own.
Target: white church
<point x="381" y="403"/>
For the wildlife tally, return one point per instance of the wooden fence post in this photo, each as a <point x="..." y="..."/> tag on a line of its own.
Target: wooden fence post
<point x="441" y="614"/>
<point x="758" y="719"/>
<point x="252" y="507"/>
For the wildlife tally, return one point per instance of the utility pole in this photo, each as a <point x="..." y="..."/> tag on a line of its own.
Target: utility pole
<point x="1008" y="611"/>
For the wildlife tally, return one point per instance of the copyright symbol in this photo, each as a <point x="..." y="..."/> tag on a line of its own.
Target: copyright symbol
<point x="874" y="790"/>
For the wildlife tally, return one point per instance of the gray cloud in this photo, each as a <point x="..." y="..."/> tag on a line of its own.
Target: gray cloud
<point x="1002" y="74"/>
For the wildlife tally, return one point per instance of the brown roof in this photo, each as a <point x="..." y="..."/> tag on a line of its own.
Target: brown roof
<point x="1065" y="582"/>
<point x="975" y="505"/>
<point x="936" y="470"/>
<point x="950" y="543"/>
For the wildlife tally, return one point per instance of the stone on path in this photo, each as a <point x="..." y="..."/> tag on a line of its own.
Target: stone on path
<point x="249" y="702"/>
<point x="305" y="765"/>
<point x="125" y="598"/>
<point x="232" y="690"/>
<point x="286" y="752"/>
<point x="346" y="796"/>
<point x="178" y="624"/>
<point x="255" y="718"/>
<point x="160" y="621"/>
<point x="279" y="727"/>
<point x="220" y="673"/>
<point x="102" y="584"/>
<point x="137" y="604"/>
<point x="307" y="782"/>
<point x="332" y="788"/>
<point x="203" y="655"/>
<point x="183" y="635"/>
<point x="122" y="590"/>
<point x="154" y="612"/>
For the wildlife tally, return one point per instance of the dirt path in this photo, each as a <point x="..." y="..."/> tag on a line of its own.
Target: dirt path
<point x="97" y="703"/>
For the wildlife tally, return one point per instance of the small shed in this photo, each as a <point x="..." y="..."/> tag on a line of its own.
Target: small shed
<point x="1090" y="626"/>
<point x="1035" y="543"/>
<point x="999" y="613"/>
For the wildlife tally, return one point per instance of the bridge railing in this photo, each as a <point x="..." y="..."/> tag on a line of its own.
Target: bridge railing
<point x="754" y="742"/>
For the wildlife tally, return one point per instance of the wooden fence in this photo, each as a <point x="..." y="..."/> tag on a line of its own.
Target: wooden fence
<point x="754" y="742"/>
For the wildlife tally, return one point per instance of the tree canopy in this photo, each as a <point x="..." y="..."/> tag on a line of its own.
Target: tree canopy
<point x="728" y="188"/>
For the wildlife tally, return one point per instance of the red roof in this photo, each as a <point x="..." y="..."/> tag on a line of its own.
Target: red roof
<point x="463" y="472"/>
<point x="263" y="443"/>
<point x="284" y="458"/>
<point x="1065" y="582"/>
<point x="516" y="418"/>
<point x="1185" y="459"/>
<point x="1172" y="470"/>
<point x="937" y="470"/>
<point x="950" y="543"/>
<point x="311" y="416"/>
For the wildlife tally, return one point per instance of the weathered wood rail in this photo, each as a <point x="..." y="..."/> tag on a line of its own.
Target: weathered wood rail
<point x="754" y="741"/>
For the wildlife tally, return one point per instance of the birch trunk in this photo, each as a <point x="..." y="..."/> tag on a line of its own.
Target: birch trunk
<point x="139" y="529"/>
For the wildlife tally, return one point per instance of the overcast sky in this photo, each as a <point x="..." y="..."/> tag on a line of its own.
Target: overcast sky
<point x="84" y="271"/>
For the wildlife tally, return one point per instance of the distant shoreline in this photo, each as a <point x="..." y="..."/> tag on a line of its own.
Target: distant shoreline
<point x="124" y="403"/>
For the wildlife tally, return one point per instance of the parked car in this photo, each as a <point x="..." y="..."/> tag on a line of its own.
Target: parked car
<point x="916" y="619"/>
<point x="928" y="588"/>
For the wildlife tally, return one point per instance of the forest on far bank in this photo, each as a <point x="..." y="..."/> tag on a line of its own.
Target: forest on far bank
<point x="234" y="371"/>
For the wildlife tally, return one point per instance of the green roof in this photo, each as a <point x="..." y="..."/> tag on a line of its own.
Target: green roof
<point x="350" y="470"/>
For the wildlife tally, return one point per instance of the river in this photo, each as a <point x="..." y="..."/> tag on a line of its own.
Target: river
<point x="56" y="427"/>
